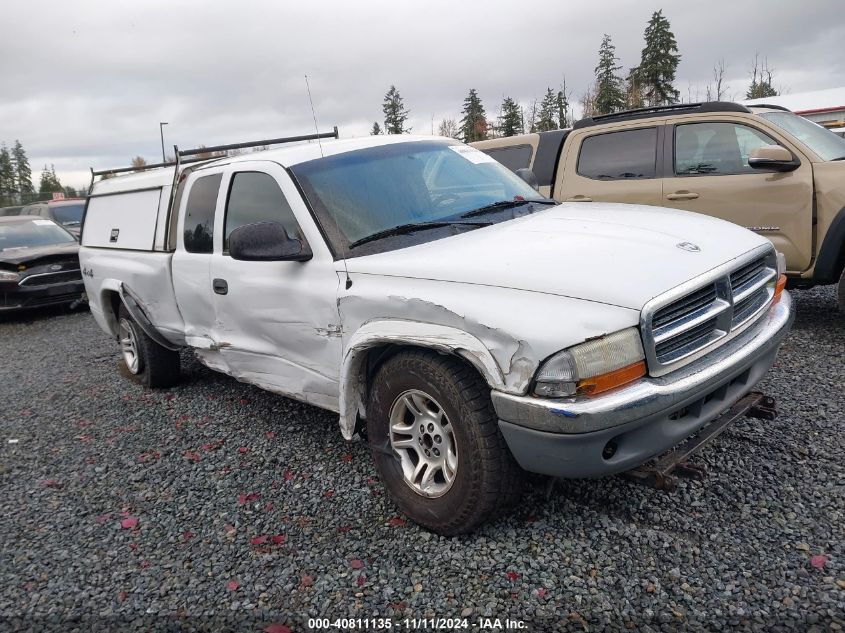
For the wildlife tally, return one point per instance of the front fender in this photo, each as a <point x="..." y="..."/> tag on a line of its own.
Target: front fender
<point x="441" y="338"/>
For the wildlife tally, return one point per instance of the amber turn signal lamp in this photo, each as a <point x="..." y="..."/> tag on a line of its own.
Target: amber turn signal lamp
<point x="611" y="380"/>
<point x="779" y="286"/>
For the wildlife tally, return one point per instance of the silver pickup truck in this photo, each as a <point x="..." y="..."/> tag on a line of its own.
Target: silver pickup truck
<point x="470" y="328"/>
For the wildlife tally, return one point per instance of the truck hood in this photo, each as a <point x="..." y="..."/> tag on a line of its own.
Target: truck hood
<point x="618" y="254"/>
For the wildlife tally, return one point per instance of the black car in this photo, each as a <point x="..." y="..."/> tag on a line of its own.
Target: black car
<point x="39" y="264"/>
<point x="68" y="212"/>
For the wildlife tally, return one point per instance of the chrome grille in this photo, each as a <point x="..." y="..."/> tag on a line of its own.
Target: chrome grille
<point x="689" y="304"/>
<point x="46" y="279"/>
<point x="687" y="322"/>
<point x="696" y="337"/>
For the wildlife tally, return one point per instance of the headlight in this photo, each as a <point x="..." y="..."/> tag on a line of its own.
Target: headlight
<point x="592" y="367"/>
<point x="6" y="275"/>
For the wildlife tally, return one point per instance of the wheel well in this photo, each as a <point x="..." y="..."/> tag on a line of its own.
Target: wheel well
<point x="111" y="303"/>
<point x="831" y="256"/>
<point x="378" y="355"/>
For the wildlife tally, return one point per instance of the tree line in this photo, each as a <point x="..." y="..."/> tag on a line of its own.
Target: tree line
<point x="16" y="185"/>
<point x="650" y="83"/>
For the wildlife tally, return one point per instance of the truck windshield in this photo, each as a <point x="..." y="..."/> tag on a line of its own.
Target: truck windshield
<point x="30" y="233"/>
<point x="823" y="142"/>
<point x="362" y="194"/>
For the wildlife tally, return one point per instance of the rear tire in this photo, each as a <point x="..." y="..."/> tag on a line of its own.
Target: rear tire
<point x="147" y="362"/>
<point x="436" y="442"/>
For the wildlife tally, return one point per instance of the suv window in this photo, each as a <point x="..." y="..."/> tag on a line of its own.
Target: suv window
<point x="628" y="154"/>
<point x="199" y="214"/>
<point x="256" y="197"/>
<point x="514" y="157"/>
<point x="716" y="148"/>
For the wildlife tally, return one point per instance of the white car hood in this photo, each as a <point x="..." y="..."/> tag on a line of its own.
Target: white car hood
<point x="617" y="254"/>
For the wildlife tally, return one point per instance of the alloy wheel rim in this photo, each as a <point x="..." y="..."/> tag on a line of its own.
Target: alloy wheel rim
<point x="129" y="346"/>
<point x="423" y="439"/>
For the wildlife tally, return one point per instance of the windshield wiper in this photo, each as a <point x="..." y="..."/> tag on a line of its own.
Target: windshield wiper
<point x="504" y="204"/>
<point x="411" y="227"/>
<point x="71" y="223"/>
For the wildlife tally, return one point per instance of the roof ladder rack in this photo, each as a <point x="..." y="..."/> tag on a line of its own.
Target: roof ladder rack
<point x="198" y="153"/>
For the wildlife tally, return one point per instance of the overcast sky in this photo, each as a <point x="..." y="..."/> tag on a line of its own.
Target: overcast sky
<point x="86" y="83"/>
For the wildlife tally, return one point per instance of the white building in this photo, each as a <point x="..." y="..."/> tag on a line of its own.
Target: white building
<point x="825" y="107"/>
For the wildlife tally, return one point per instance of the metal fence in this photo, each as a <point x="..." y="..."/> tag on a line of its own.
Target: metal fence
<point x="17" y="199"/>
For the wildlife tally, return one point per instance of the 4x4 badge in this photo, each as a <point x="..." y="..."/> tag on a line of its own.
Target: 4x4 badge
<point x="688" y="246"/>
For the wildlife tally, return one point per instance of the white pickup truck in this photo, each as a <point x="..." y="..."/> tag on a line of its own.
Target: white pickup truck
<point x="468" y="327"/>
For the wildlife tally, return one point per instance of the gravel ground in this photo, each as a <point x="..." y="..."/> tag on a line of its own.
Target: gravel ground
<point x="217" y="506"/>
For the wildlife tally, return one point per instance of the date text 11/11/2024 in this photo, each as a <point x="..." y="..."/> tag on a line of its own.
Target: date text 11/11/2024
<point x="416" y="624"/>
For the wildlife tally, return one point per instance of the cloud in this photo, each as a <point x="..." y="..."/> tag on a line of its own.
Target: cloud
<point x="91" y="80"/>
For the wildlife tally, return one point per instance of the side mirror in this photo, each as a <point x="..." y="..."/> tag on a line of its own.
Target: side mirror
<point x="528" y="176"/>
<point x="773" y="157"/>
<point x="266" y="242"/>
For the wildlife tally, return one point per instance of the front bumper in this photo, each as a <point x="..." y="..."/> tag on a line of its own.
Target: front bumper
<point x="16" y="297"/>
<point x="592" y="437"/>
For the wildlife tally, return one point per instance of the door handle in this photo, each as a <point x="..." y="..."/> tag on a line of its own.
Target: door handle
<point x="682" y="195"/>
<point x="579" y="198"/>
<point x="220" y="286"/>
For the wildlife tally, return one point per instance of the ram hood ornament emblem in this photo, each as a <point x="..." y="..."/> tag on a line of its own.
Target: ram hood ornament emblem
<point x="688" y="246"/>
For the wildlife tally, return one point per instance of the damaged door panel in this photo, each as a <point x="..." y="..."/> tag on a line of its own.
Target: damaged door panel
<point x="277" y="325"/>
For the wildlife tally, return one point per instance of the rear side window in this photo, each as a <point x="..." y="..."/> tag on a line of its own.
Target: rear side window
<point x="515" y="157"/>
<point x="199" y="214"/>
<point x="630" y="154"/>
<point x="256" y="197"/>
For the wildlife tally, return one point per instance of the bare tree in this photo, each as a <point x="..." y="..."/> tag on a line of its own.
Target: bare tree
<point x="588" y="102"/>
<point x="761" y="79"/>
<point x="448" y="128"/>
<point x="719" y="78"/>
<point x="532" y="117"/>
<point x="138" y="162"/>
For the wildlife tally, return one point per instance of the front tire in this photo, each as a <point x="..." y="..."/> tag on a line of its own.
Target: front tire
<point x="436" y="442"/>
<point x="147" y="362"/>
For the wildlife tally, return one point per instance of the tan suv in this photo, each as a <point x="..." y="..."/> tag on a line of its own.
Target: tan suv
<point x="761" y="167"/>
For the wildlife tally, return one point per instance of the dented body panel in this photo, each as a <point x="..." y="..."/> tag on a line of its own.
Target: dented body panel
<point x="504" y="297"/>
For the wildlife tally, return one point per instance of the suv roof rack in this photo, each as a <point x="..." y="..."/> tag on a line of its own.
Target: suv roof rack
<point x="665" y="110"/>
<point x="217" y="148"/>
<point x="771" y="106"/>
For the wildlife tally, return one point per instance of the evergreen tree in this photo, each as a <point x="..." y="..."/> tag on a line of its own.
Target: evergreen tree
<point x="376" y="129"/>
<point x="474" y="123"/>
<point x="70" y="192"/>
<point x="659" y="62"/>
<point x="609" y="95"/>
<point x="7" y="174"/>
<point x="50" y="181"/>
<point x="548" y="108"/>
<point x="761" y="80"/>
<point x="510" y="123"/>
<point x="562" y="107"/>
<point x="23" y="173"/>
<point x="395" y="113"/>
